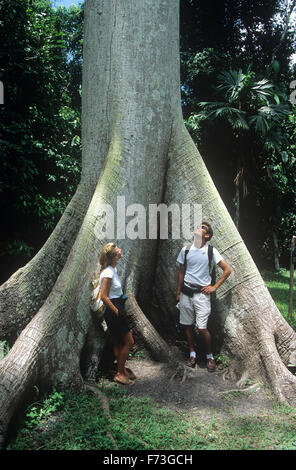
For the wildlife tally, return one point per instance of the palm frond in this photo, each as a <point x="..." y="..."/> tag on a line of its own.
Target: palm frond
<point x="223" y="110"/>
<point x="263" y="87"/>
<point x="232" y="82"/>
<point x="212" y="104"/>
<point x="275" y="112"/>
<point x="260" y="123"/>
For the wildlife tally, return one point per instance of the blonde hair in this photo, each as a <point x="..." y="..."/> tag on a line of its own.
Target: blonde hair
<point x="106" y="256"/>
<point x="105" y="259"/>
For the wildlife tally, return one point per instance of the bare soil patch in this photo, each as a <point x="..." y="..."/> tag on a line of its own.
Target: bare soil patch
<point x="204" y="394"/>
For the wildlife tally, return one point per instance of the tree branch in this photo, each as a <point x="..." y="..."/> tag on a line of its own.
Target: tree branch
<point x="285" y="31"/>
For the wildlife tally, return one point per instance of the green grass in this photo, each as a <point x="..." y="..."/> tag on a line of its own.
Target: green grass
<point x="63" y="421"/>
<point x="278" y="286"/>
<point x="66" y="421"/>
<point x="140" y="423"/>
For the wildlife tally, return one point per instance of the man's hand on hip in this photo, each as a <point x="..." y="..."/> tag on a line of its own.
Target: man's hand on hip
<point x="208" y="289"/>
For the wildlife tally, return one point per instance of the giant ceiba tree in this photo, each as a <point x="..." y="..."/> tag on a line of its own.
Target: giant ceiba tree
<point x="135" y="146"/>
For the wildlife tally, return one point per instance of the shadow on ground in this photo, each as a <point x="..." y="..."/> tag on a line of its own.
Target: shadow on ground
<point x="202" y="393"/>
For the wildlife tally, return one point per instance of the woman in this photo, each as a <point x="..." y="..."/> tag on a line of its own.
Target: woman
<point x="115" y="315"/>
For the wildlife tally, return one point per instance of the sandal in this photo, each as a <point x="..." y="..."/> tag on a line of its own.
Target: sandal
<point x="124" y="381"/>
<point x="131" y="375"/>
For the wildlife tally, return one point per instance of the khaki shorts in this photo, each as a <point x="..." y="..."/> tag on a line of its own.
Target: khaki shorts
<point x="195" y="310"/>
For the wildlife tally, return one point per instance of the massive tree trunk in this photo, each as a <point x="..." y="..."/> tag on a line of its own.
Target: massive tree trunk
<point x="135" y="147"/>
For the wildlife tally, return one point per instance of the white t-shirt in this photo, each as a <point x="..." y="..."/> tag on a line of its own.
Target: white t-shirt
<point x="197" y="264"/>
<point x="115" y="288"/>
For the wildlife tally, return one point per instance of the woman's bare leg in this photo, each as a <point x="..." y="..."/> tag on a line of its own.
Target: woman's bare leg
<point x="123" y="352"/>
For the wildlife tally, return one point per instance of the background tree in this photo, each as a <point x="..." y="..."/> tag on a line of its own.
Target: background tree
<point x="39" y="125"/>
<point x="276" y="192"/>
<point x="253" y="110"/>
<point x="241" y="35"/>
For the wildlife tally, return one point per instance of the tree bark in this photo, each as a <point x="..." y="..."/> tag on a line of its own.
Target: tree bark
<point x="135" y="145"/>
<point x="24" y="292"/>
<point x="236" y="201"/>
<point x="276" y="252"/>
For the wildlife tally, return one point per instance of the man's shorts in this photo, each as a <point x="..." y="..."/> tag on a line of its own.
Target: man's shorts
<point x="195" y="310"/>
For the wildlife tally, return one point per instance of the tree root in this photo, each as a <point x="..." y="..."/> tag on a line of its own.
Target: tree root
<point x="105" y="406"/>
<point x="154" y="343"/>
<point x="238" y="389"/>
<point x="23" y="294"/>
<point x="183" y="372"/>
<point x="243" y="380"/>
<point x="106" y="409"/>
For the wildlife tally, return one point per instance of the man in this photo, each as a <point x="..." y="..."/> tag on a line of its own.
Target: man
<point x="194" y="279"/>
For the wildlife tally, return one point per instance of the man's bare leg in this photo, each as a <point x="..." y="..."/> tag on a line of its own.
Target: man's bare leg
<point x="189" y="335"/>
<point x="206" y="337"/>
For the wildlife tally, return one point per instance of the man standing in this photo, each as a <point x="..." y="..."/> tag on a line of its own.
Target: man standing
<point x="194" y="289"/>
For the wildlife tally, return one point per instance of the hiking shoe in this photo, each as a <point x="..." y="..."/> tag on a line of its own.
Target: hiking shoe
<point x="191" y="361"/>
<point x="211" y="365"/>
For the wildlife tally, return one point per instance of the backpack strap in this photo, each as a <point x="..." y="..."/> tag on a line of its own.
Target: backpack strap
<point x="211" y="265"/>
<point x="210" y="256"/>
<point x="187" y="248"/>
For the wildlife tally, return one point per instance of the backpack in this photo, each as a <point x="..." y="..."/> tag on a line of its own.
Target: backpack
<point x="96" y="303"/>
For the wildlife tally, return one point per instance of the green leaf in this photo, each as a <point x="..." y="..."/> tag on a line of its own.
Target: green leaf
<point x="276" y="66"/>
<point x="285" y="156"/>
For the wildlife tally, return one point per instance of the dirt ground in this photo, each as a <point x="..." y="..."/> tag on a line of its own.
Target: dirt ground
<point x="202" y="394"/>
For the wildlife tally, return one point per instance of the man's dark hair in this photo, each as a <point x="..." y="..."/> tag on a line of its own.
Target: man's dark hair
<point x="210" y="230"/>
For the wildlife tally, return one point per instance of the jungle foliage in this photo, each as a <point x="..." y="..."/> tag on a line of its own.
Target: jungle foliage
<point x="236" y="75"/>
<point x="40" y="66"/>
